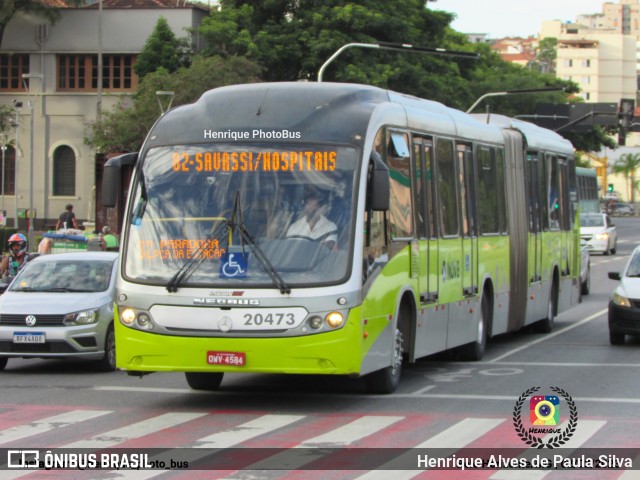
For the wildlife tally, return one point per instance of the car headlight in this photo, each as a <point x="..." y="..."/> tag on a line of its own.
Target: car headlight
<point x="602" y="236"/>
<point x="84" y="317"/>
<point x="619" y="300"/>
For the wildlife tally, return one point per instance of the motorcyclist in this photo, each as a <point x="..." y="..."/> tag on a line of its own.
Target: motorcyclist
<point x="17" y="257"/>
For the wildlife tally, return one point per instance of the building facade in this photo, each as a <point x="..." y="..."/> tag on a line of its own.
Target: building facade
<point x="49" y="76"/>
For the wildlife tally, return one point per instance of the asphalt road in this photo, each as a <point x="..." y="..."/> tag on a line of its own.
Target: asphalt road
<point x="440" y="403"/>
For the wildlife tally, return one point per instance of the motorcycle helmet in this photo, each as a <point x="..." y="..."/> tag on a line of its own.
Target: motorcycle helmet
<point x="19" y="239"/>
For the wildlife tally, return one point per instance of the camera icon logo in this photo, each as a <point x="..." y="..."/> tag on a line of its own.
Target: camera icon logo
<point x="544" y="410"/>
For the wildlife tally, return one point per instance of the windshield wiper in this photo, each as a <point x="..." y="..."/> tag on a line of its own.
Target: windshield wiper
<point x="246" y="237"/>
<point x="138" y="212"/>
<point x="194" y="261"/>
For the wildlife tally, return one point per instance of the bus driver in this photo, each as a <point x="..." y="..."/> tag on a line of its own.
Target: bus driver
<point x="313" y="224"/>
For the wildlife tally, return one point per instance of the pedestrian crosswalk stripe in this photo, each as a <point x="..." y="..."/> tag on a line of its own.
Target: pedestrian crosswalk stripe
<point x="136" y="430"/>
<point x="339" y="437"/>
<point x="457" y="436"/>
<point x="38" y="427"/>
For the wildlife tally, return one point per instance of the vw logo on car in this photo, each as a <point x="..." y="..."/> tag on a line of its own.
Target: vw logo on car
<point x="30" y="320"/>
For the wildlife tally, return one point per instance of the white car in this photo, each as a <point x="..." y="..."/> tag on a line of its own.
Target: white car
<point x="598" y="233"/>
<point x="585" y="271"/>
<point x="60" y="306"/>
<point x="624" y="303"/>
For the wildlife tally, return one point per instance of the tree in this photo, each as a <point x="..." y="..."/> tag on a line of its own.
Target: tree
<point x="546" y="55"/>
<point x="10" y="8"/>
<point x="162" y="49"/>
<point x="291" y="41"/>
<point x="627" y="165"/>
<point x="125" y="128"/>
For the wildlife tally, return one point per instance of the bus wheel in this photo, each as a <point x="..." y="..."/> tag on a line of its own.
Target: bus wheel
<point x="204" y="380"/>
<point x="546" y="325"/>
<point x="474" y="351"/>
<point x="387" y="379"/>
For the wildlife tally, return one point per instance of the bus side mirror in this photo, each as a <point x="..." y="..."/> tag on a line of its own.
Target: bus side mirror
<point x="111" y="177"/>
<point x="379" y="187"/>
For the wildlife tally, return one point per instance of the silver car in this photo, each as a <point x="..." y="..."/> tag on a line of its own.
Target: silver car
<point x="61" y="306"/>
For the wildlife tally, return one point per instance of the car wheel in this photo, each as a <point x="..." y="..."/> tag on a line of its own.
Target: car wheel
<point x="616" y="338"/>
<point x="3" y="362"/>
<point x="108" y="361"/>
<point x="204" y="380"/>
<point x="614" y="249"/>
<point x="586" y="285"/>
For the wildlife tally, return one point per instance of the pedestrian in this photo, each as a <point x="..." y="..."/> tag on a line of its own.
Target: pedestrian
<point x="17" y="257"/>
<point x="109" y="241"/>
<point x="67" y="218"/>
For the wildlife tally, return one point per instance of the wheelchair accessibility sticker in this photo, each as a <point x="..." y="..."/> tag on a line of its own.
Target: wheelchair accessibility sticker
<point x="234" y="264"/>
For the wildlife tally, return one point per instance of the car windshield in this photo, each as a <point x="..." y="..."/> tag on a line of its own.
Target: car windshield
<point x="295" y="203"/>
<point x="591" y="221"/>
<point x="633" y="270"/>
<point x="64" y="276"/>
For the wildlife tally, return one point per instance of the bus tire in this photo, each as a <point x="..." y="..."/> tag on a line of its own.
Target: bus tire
<point x="204" y="380"/>
<point x="387" y="380"/>
<point x="474" y="351"/>
<point x="3" y="362"/>
<point x="546" y="325"/>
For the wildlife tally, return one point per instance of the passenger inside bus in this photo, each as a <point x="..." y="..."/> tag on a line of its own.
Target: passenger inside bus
<point x="313" y="224"/>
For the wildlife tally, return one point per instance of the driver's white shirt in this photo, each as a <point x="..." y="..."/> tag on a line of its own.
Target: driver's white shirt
<point x="322" y="227"/>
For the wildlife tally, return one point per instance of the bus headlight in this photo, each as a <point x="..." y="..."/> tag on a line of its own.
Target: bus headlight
<point x="334" y="319"/>
<point x="315" y="322"/>
<point x="144" y="321"/>
<point x="128" y="316"/>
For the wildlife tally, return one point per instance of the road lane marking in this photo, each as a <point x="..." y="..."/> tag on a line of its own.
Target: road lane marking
<point x="548" y="336"/>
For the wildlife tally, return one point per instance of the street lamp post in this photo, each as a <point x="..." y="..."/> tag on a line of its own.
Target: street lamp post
<point x="4" y="150"/>
<point x="18" y="106"/>
<point x="25" y="77"/>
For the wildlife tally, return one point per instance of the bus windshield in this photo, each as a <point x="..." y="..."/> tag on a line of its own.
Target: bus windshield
<point x="294" y="201"/>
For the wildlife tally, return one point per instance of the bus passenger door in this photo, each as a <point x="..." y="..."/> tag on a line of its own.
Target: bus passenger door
<point x="425" y="218"/>
<point x="467" y="177"/>
<point x="431" y="332"/>
<point x="535" y="209"/>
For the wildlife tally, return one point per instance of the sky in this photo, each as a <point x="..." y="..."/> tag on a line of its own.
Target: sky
<point x="512" y="18"/>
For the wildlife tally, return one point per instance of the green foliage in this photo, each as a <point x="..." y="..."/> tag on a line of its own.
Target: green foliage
<point x="162" y="50"/>
<point x="627" y="165"/>
<point x="10" y="8"/>
<point x="125" y="128"/>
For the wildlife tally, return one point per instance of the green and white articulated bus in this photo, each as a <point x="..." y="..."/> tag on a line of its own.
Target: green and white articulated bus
<point x="318" y="228"/>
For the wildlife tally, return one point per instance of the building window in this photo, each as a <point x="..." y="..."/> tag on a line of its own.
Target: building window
<point x="7" y="182"/>
<point x="64" y="171"/>
<point x="12" y="67"/>
<point x="80" y="72"/>
<point x="585" y="80"/>
<point x="568" y="62"/>
<point x="586" y="63"/>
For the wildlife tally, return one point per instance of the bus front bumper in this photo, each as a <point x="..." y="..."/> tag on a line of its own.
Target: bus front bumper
<point x="325" y="353"/>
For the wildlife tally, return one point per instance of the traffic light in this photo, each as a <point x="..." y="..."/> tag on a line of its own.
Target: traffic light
<point x="610" y="188"/>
